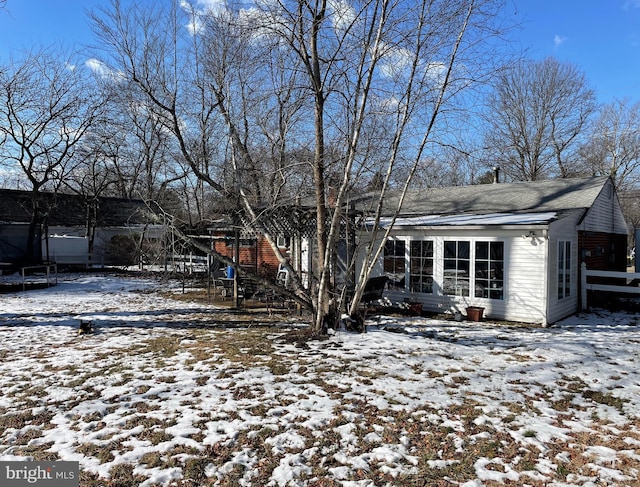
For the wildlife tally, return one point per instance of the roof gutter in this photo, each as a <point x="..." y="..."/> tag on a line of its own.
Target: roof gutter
<point x="534" y="226"/>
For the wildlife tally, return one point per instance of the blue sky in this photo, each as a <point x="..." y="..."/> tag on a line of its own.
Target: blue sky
<point x="602" y="37"/>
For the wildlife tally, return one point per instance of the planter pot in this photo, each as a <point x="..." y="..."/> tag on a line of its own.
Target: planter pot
<point x="474" y="313"/>
<point x="415" y="308"/>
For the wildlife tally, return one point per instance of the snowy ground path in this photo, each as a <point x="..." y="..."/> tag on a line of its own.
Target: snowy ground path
<point x="163" y="394"/>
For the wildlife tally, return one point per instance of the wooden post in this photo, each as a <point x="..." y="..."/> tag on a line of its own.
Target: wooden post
<point x="583" y="286"/>
<point x="236" y="260"/>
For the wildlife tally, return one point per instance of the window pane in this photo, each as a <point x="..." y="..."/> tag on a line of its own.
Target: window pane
<point x="394" y="263"/>
<point x="482" y="250"/>
<point x="456" y="268"/>
<point x="421" y="266"/>
<point x="482" y="270"/>
<point x="463" y="250"/>
<point x="564" y="269"/>
<point x="389" y="248"/>
<point x="416" y="248"/>
<point x="449" y="249"/>
<point x="497" y="251"/>
<point x="489" y="265"/>
<point x="427" y="249"/>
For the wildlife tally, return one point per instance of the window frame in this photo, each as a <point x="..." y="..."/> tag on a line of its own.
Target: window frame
<point x="564" y="269"/>
<point x="396" y="257"/>
<point x="493" y="283"/>
<point x="420" y="281"/>
<point x="463" y="257"/>
<point x="460" y="276"/>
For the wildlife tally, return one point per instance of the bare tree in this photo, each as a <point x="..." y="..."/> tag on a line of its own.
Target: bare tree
<point x="47" y="105"/>
<point x="535" y="117"/>
<point x="613" y="148"/>
<point x="302" y="91"/>
<point x="128" y="154"/>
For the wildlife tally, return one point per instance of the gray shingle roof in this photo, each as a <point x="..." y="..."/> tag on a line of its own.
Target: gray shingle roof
<point x="72" y="210"/>
<point x="557" y="195"/>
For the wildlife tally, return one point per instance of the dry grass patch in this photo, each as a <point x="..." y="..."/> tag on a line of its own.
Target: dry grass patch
<point x="39" y="453"/>
<point x="26" y="417"/>
<point x="122" y="476"/>
<point x="460" y="380"/>
<point x="202" y="352"/>
<point x="605" y="398"/>
<point x="152" y="460"/>
<point x="145" y="407"/>
<point x="164" y="346"/>
<point x="104" y="453"/>
<point x="517" y="357"/>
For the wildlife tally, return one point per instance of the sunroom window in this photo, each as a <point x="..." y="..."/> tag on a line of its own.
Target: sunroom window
<point x="421" y="266"/>
<point x="395" y="263"/>
<point x="489" y="270"/>
<point x="564" y="269"/>
<point x="456" y="268"/>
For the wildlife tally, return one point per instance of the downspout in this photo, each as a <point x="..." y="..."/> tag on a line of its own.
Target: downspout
<point x="545" y="278"/>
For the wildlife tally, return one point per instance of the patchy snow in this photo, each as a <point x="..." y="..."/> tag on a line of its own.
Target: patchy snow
<point x="163" y="386"/>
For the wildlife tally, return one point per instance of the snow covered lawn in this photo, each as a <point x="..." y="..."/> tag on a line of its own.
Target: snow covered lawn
<point x="162" y="394"/>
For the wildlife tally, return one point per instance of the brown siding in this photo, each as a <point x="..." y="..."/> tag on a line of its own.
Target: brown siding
<point x="603" y="251"/>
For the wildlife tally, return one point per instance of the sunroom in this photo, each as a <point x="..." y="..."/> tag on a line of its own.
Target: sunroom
<point x="513" y="249"/>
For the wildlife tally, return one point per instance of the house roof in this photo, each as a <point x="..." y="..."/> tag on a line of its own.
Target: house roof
<point x="499" y="204"/>
<point x="72" y="210"/>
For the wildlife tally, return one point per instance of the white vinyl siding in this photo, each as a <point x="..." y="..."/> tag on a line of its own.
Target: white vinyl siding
<point x="525" y="296"/>
<point x="605" y="214"/>
<point x="562" y="231"/>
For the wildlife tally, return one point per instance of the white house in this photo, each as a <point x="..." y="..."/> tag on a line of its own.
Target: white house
<point x="72" y="229"/>
<point x="513" y="249"/>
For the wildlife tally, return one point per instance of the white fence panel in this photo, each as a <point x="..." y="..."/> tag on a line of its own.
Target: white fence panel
<point x="587" y="286"/>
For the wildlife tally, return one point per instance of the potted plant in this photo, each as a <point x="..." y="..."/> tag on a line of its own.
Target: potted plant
<point x="414" y="306"/>
<point x="474" y="313"/>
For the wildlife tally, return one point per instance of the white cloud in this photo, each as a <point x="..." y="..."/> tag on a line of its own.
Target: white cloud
<point x="97" y="66"/>
<point x="558" y="40"/>
<point x="194" y="26"/>
<point x="213" y="6"/>
<point x="343" y="14"/>
<point x="200" y="9"/>
<point x="102" y="70"/>
<point x="435" y="70"/>
<point x="11" y="178"/>
<point x="394" y="60"/>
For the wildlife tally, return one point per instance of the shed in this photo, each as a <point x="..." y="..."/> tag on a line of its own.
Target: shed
<point x="513" y="249"/>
